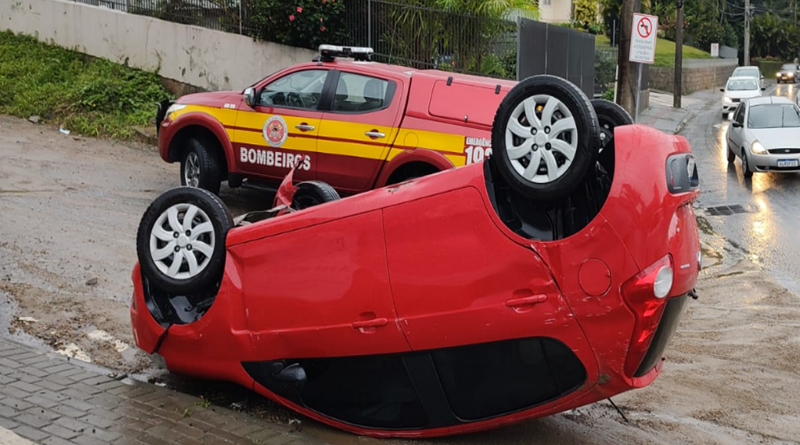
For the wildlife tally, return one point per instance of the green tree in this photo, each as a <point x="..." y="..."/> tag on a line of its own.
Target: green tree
<point x="586" y="12"/>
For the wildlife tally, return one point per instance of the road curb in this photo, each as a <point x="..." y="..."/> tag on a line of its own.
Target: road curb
<point x="683" y="123"/>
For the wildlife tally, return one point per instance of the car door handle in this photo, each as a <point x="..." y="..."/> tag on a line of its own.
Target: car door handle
<point x="304" y="127"/>
<point x="374" y="323"/>
<point x="526" y="301"/>
<point x="375" y="134"/>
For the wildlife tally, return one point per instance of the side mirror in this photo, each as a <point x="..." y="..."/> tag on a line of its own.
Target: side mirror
<point x="763" y="89"/>
<point x="250" y="97"/>
<point x="736" y="124"/>
<point x="722" y="89"/>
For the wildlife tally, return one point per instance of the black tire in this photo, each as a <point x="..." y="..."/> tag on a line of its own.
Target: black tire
<point x="746" y="170"/>
<point x="586" y="146"/>
<point x="731" y="156"/>
<point x="207" y="162"/>
<point x="609" y="116"/>
<point x="221" y="220"/>
<point x="311" y="193"/>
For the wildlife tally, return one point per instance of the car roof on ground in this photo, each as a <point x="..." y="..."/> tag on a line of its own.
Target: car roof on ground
<point x="769" y="100"/>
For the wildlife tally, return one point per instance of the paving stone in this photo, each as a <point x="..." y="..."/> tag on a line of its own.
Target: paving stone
<point x="77" y="404"/>
<point x="84" y="388"/>
<point x="33" y="420"/>
<point x="73" y="424"/>
<point x="110" y="385"/>
<point x="58" y="367"/>
<point x="262" y="435"/>
<point x="36" y="372"/>
<point x="104" y="400"/>
<point x="52" y="395"/>
<point x="152" y="440"/>
<point x="102" y="434"/>
<point x="84" y="375"/>
<point x="23" y="355"/>
<point x="24" y="377"/>
<point x="188" y="441"/>
<point x="8" y="423"/>
<point x="164" y="433"/>
<point x="66" y="410"/>
<point x="71" y="371"/>
<point x="26" y="387"/>
<point x="50" y="415"/>
<point x="107" y="413"/>
<point x="97" y="379"/>
<point x="75" y="394"/>
<point x="5" y="380"/>
<point x="60" y="431"/>
<point x="196" y="423"/>
<point x="41" y="401"/>
<point x="99" y="421"/>
<point x="89" y="440"/>
<point x="13" y="391"/>
<point x="6" y="370"/>
<point x="37" y="359"/>
<point x="8" y="411"/>
<point x="49" y="384"/>
<point x="53" y="440"/>
<point x="14" y="402"/>
<point x="30" y="433"/>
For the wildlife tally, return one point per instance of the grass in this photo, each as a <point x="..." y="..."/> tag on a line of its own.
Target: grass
<point x="665" y="51"/>
<point x="91" y="97"/>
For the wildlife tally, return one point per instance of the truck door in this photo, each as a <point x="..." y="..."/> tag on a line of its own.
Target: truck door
<point x="357" y="133"/>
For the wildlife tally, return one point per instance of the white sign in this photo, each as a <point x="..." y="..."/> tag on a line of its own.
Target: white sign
<point x="643" y="38"/>
<point x="715" y="50"/>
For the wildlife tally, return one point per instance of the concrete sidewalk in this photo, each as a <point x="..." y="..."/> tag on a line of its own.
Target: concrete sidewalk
<point x="662" y="116"/>
<point x="51" y="400"/>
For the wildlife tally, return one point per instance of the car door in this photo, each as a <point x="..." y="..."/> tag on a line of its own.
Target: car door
<point x="281" y="129"/>
<point x="359" y="129"/>
<point x="486" y="308"/>
<point x="321" y="290"/>
<point x="734" y="131"/>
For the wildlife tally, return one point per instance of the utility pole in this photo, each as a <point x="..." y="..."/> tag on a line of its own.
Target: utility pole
<point x="676" y="89"/>
<point x="627" y="75"/>
<point x="746" y="33"/>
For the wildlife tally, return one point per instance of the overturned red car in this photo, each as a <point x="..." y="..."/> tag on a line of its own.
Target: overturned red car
<point x="531" y="283"/>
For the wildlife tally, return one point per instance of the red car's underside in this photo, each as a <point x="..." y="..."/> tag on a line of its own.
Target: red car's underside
<point x="418" y="310"/>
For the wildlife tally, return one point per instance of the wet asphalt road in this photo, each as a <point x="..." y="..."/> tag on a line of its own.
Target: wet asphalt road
<point x="768" y="230"/>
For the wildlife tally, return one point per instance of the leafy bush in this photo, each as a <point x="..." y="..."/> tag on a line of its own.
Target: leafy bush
<point x="586" y="13"/>
<point x="706" y="33"/>
<point x="302" y="23"/>
<point x="93" y="97"/>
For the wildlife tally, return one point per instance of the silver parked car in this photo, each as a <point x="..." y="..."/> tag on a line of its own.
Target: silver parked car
<point x="765" y="133"/>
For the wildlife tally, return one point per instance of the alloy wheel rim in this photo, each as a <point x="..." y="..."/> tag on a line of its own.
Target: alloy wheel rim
<point x="192" y="170"/>
<point x="541" y="139"/>
<point x="182" y="241"/>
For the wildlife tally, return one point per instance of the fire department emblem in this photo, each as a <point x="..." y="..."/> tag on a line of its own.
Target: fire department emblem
<point x="275" y="131"/>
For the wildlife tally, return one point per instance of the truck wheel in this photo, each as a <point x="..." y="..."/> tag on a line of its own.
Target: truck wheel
<point x="545" y="137"/>
<point x="311" y="193"/>
<point x="180" y="242"/>
<point x="200" y="167"/>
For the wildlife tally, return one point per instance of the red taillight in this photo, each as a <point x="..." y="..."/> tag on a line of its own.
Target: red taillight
<point x="646" y="295"/>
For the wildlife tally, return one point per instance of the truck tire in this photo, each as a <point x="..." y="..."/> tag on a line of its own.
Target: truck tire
<point x="180" y="242"/>
<point x="545" y="138"/>
<point x="311" y="193"/>
<point x="200" y="166"/>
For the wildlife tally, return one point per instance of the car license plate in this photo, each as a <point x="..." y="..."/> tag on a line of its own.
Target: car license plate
<point x="788" y="163"/>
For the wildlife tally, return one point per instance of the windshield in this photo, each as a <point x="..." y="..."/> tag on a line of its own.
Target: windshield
<point x="774" y="116"/>
<point x="788" y="67"/>
<point x="745" y="72"/>
<point x="742" y="85"/>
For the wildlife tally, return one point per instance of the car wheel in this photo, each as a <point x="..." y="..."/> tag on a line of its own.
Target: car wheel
<point x="311" y="193"/>
<point x="609" y="116"/>
<point x="731" y="155"/>
<point x="746" y="171"/>
<point x="200" y="167"/>
<point x="545" y="137"/>
<point x="180" y="242"/>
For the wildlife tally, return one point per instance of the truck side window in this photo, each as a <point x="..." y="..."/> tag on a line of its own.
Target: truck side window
<point x="357" y="93"/>
<point x="301" y="90"/>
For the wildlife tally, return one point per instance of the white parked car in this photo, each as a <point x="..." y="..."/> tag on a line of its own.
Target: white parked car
<point x="738" y="88"/>
<point x="765" y="133"/>
<point x="750" y="71"/>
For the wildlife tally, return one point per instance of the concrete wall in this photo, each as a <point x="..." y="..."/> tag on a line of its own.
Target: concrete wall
<point x="557" y="11"/>
<point x="211" y="60"/>
<point x="697" y="74"/>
